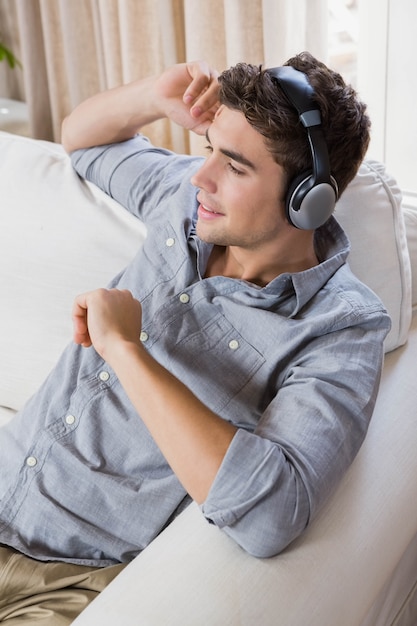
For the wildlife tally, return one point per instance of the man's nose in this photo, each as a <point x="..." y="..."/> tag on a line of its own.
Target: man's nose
<point x="204" y="178"/>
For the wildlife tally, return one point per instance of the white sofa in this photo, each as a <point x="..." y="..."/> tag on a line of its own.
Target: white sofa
<point x="357" y="562"/>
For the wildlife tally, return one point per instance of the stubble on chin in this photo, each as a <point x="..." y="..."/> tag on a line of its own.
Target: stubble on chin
<point x="212" y="236"/>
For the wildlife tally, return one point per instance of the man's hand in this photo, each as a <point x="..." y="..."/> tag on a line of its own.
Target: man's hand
<point x="106" y="317"/>
<point x="187" y="94"/>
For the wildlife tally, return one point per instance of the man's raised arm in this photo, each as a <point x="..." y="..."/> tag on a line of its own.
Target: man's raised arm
<point x="186" y="93"/>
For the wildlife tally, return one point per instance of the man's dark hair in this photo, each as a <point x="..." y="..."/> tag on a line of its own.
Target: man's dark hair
<point x="250" y="89"/>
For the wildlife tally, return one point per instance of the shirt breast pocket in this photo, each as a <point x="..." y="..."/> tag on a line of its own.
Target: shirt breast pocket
<point x="163" y="252"/>
<point x="215" y="362"/>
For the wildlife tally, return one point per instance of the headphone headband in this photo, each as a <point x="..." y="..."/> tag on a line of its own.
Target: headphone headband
<point x="311" y="197"/>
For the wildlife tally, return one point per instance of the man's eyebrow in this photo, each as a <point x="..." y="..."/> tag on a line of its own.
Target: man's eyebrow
<point x="235" y="156"/>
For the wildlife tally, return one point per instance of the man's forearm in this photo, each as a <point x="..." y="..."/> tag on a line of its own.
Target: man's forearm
<point x="111" y="116"/>
<point x="193" y="439"/>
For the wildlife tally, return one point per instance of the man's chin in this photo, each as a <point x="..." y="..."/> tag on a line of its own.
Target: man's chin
<point x="205" y="236"/>
<point x="210" y="236"/>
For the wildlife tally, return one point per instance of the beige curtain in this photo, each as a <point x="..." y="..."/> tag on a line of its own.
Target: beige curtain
<point x="71" y="49"/>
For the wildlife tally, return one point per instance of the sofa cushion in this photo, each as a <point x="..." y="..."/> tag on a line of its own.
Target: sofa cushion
<point x="61" y="236"/>
<point x="370" y="210"/>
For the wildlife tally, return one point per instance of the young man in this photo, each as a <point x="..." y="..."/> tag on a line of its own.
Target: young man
<point x="235" y="361"/>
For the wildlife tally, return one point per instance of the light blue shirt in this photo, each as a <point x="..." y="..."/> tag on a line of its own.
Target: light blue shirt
<point x="295" y="365"/>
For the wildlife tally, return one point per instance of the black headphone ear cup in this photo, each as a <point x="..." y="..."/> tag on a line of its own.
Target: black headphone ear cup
<point x="293" y="196"/>
<point x="309" y="205"/>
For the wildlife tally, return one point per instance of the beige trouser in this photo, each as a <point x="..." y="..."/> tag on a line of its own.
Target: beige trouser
<point x="51" y="594"/>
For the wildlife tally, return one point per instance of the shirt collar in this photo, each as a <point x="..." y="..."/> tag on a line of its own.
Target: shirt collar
<point x="332" y="248"/>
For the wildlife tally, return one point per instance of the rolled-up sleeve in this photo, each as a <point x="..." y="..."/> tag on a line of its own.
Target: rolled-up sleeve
<point x="257" y="498"/>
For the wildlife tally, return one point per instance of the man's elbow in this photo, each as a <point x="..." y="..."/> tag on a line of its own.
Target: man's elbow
<point x="269" y="537"/>
<point x="265" y="547"/>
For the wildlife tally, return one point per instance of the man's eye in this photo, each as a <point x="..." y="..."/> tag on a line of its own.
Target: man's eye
<point x="234" y="170"/>
<point x="209" y="148"/>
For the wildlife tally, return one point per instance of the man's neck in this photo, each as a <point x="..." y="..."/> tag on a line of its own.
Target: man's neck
<point x="236" y="263"/>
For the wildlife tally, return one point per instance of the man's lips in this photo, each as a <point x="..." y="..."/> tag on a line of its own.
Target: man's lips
<point x="207" y="212"/>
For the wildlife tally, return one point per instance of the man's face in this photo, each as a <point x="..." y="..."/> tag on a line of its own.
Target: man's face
<point x="241" y="186"/>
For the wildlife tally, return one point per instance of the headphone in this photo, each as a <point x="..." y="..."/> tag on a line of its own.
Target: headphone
<point x="311" y="196"/>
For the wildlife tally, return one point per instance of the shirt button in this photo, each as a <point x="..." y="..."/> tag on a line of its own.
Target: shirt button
<point x="184" y="298"/>
<point x="31" y="461"/>
<point x="144" y="336"/>
<point x="233" y="344"/>
<point x="70" y="419"/>
<point x="104" y="376"/>
<point x="170" y="242"/>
